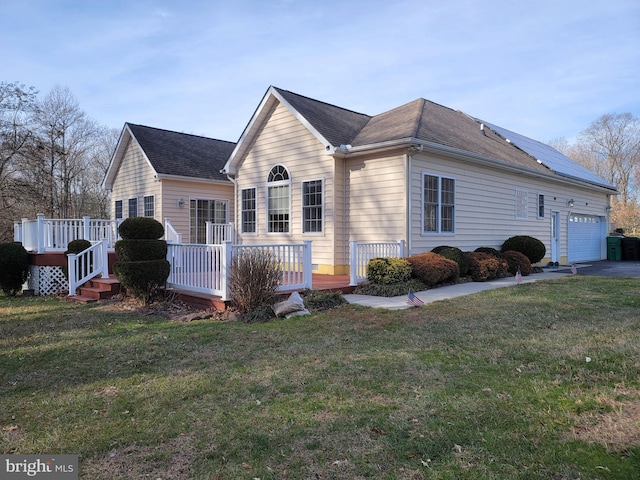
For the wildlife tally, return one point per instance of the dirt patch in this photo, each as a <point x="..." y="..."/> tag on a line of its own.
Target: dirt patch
<point x="168" y="307"/>
<point x="170" y="459"/>
<point x="616" y="429"/>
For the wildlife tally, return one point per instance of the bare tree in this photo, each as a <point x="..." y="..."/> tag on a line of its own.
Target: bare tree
<point x="16" y="105"/>
<point x="610" y="146"/>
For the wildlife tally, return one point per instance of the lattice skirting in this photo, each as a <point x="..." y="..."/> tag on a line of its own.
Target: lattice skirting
<point x="47" y="280"/>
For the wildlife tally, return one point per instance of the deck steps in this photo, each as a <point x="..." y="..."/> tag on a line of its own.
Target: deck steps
<point x="97" y="289"/>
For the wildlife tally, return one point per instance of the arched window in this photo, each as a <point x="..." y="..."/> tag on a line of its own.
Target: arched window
<point x="278" y="187"/>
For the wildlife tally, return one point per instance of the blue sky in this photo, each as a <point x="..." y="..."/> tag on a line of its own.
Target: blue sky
<point x="545" y="69"/>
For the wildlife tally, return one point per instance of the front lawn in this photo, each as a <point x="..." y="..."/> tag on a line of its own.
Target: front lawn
<point x="534" y="381"/>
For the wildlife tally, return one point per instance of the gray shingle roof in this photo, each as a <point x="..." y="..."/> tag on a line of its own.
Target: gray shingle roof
<point x="174" y="153"/>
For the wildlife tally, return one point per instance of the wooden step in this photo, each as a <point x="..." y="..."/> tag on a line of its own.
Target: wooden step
<point x="99" y="288"/>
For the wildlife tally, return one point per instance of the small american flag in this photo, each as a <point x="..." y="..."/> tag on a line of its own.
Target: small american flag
<point x="518" y="276"/>
<point x="574" y="270"/>
<point x="413" y="300"/>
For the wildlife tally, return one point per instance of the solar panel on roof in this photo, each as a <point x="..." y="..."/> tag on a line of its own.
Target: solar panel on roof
<point x="550" y="157"/>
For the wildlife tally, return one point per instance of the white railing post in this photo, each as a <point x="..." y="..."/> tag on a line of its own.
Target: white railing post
<point x="353" y="261"/>
<point x="401" y="244"/>
<point x="208" y="233"/>
<point x="226" y="258"/>
<point x="86" y="229"/>
<point x="307" y="265"/>
<point x="73" y="277"/>
<point x="40" y="233"/>
<point x="105" y="258"/>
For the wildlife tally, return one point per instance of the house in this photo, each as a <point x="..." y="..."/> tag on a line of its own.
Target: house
<point x="421" y="173"/>
<point x="170" y="175"/>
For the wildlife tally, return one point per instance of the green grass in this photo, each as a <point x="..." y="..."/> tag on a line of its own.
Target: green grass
<point x="490" y="386"/>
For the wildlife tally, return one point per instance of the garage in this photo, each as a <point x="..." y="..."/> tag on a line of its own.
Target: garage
<point x="586" y="237"/>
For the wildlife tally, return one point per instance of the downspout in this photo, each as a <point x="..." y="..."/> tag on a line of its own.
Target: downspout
<point x="235" y="202"/>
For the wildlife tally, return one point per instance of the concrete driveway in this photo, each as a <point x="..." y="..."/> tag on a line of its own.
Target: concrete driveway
<point x="606" y="268"/>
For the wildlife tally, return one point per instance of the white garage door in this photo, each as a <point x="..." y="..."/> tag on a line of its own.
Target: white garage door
<point x="586" y="237"/>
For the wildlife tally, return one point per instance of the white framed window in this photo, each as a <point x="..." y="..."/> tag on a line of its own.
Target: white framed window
<point x="438" y="204"/>
<point x="117" y="210"/>
<point x="149" y="206"/>
<point x="133" y="207"/>
<point x="248" y="210"/>
<point x="278" y="200"/>
<point x="522" y="203"/>
<point x="202" y="211"/>
<point x="312" y="206"/>
<point x="540" y="205"/>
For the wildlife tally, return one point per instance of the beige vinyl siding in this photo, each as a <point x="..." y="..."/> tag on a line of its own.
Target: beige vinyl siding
<point x="286" y="141"/>
<point x="376" y="198"/>
<point x="485" y="205"/>
<point x="135" y="179"/>
<point x="174" y="190"/>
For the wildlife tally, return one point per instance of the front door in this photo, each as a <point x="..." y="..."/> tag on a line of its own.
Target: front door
<point x="555" y="236"/>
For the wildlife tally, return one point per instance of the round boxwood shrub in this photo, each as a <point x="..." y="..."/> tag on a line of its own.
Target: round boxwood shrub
<point x="490" y="251"/>
<point x="140" y="249"/>
<point x="533" y="248"/>
<point x="141" y="279"/>
<point x="141" y="228"/>
<point x="517" y="260"/>
<point x="77" y="246"/>
<point x="14" y="268"/>
<point x="483" y="267"/>
<point x="455" y="254"/>
<point x="433" y="269"/>
<point x="388" y="271"/>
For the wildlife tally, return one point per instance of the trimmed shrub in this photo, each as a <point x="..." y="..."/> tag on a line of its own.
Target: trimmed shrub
<point x="533" y="248"/>
<point x="142" y="279"/>
<point x="433" y="269"/>
<point x="254" y="277"/>
<point x="388" y="271"/>
<point x="411" y="285"/>
<point x="141" y="228"/>
<point x="455" y="254"/>
<point x="142" y="267"/>
<point x="77" y="246"/>
<point x="490" y="251"/>
<point x="140" y="250"/>
<point x="14" y="268"/>
<point x="517" y="260"/>
<point x="483" y="266"/>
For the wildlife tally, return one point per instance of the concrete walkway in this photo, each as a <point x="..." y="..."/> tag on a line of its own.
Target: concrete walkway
<point x="451" y="291"/>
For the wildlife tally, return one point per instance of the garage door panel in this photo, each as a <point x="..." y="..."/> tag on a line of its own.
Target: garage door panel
<point x="585" y="237"/>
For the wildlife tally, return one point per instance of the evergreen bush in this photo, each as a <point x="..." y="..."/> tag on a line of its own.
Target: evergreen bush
<point x="142" y="267"/>
<point x="533" y="248"/>
<point x="455" y="254"/>
<point x="141" y="228"/>
<point x="483" y="266"/>
<point x="14" y="268"/>
<point x="433" y="269"/>
<point x="74" y="247"/>
<point x="77" y="246"/>
<point x="517" y="260"/>
<point x="490" y="251"/>
<point x="388" y="271"/>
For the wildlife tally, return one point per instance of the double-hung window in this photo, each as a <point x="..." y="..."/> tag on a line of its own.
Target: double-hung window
<point x="278" y="211"/>
<point x="133" y="207"/>
<point x="541" y="205"/>
<point x="249" y="210"/>
<point x="118" y="209"/>
<point x="312" y="206"/>
<point x="149" y="206"/>
<point x="438" y="204"/>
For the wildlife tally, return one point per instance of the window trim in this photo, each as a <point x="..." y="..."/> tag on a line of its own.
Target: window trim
<point x="303" y="206"/>
<point x="439" y="205"/>
<point x="254" y="210"/>
<point x="129" y="203"/>
<point x="115" y="209"/>
<point x="276" y="184"/>
<point x="540" y="205"/>
<point x="153" y="206"/>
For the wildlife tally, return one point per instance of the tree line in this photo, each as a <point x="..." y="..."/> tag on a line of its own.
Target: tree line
<point x="53" y="157"/>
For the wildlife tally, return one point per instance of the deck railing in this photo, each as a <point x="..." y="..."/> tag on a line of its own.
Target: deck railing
<point x="218" y="233"/>
<point x="54" y="234"/>
<point x="171" y="235"/>
<point x="205" y="268"/>
<point x="362" y="252"/>
<point x="88" y="264"/>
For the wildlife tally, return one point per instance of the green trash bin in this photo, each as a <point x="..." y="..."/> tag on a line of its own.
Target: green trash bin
<point x="614" y="248"/>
